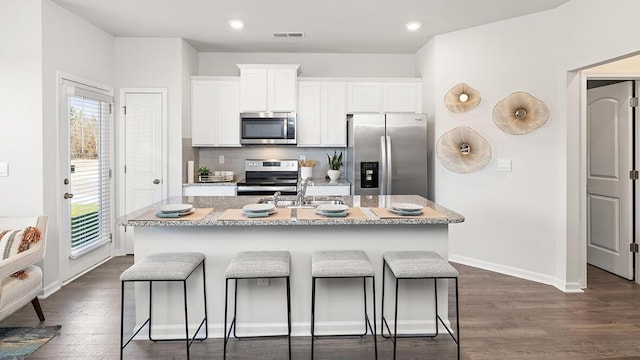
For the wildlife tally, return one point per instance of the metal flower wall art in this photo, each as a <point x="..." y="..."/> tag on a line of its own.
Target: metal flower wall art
<point x="462" y="98"/>
<point x="463" y="150"/>
<point x="520" y="113"/>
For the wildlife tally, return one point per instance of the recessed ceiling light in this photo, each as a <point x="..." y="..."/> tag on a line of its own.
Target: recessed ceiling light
<point x="236" y="24"/>
<point x="413" y="26"/>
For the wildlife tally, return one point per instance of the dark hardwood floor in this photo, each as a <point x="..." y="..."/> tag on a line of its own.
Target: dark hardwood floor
<point x="501" y="318"/>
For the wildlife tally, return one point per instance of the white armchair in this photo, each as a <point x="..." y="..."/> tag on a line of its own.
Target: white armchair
<point x="16" y="293"/>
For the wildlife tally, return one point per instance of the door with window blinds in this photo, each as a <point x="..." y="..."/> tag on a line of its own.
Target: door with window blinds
<point x="86" y="142"/>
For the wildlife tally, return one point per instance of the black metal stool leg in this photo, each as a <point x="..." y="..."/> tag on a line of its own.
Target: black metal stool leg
<point x="186" y="318"/>
<point x="289" y="314"/>
<point x="313" y="312"/>
<point x="375" y="337"/>
<point x="435" y="294"/>
<point x="121" y="319"/>
<point x="226" y="335"/>
<point x="395" y="322"/>
<point x="150" y="302"/>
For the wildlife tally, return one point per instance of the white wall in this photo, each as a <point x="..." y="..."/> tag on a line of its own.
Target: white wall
<point x="21" y="108"/>
<point x="524" y="222"/>
<point x="314" y="64"/>
<point x="189" y="68"/>
<point x="156" y="63"/>
<point x="73" y="46"/>
<point x="425" y="68"/>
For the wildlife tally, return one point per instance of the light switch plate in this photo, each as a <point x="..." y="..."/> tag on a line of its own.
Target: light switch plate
<point x="4" y="169"/>
<point x="504" y="165"/>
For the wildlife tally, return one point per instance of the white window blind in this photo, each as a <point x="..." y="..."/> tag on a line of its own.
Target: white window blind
<point x="90" y="178"/>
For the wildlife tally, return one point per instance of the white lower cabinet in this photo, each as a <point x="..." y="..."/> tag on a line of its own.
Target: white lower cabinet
<point x="209" y="190"/>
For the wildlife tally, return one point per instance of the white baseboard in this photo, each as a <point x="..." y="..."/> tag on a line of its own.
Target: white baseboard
<point x="50" y="290"/>
<point x="519" y="273"/>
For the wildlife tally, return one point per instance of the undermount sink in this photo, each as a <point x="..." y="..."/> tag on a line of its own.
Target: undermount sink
<point x="307" y="203"/>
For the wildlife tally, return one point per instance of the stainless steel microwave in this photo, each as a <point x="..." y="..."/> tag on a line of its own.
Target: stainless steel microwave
<point x="268" y="128"/>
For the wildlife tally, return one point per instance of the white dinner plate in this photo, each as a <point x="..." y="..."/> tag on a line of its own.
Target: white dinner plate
<point x="258" y="207"/>
<point x="342" y="213"/>
<point x="332" y="208"/>
<point x="268" y="212"/>
<point x="176" y="208"/>
<point x="162" y="214"/>
<point x="406" y="206"/>
<point x="406" y="212"/>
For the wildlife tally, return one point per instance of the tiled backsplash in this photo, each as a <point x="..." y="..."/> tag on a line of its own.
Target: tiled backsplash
<point x="234" y="157"/>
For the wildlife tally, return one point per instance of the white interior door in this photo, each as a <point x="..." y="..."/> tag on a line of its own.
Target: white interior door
<point x="86" y="166"/>
<point x="144" y="114"/>
<point x="609" y="187"/>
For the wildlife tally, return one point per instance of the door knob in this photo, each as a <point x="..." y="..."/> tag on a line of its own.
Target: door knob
<point x="68" y="196"/>
<point x="156" y="181"/>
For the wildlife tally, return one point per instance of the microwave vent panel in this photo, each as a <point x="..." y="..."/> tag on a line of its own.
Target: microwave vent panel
<point x="288" y="34"/>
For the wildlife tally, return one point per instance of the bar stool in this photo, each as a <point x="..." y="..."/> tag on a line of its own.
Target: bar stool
<point x="165" y="267"/>
<point x="254" y="265"/>
<point x="419" y="265"/>
<point x="334" y="264"/>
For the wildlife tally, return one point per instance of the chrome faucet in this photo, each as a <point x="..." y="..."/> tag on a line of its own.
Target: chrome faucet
<point x="302" y="190"/>
<point x="274" y="199"/>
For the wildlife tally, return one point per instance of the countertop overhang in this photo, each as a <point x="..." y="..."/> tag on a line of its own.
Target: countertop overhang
<point x="221" y="203"/>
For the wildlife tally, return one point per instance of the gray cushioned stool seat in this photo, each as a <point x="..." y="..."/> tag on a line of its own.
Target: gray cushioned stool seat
<point x="341" y="263"/>
<point x="419" y="264"/>
<point x="163" y="267"/>
<point x="259" y="264"/>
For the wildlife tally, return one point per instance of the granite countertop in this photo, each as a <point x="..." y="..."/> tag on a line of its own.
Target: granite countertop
<point x="316" y="182"/>
<point x="222" y="203"/>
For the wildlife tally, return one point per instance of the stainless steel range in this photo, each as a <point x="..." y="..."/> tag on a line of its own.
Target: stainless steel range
<point x="266" y="176"/>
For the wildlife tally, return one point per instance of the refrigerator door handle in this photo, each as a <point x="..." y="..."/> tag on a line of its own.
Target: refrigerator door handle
<point x="389" y="167"/>
<point x="383" y="165"/>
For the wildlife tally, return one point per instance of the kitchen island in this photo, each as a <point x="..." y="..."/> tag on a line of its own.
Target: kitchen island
<point x="262" y="309"/>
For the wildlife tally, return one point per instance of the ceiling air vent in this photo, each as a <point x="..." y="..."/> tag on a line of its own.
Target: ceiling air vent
<point x="288" y="35"/>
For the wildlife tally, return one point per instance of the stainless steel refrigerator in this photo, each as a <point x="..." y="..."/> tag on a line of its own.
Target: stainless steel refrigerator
<point x="387" y="154"/>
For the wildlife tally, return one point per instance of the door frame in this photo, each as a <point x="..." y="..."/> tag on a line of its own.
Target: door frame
<point x="586" y="75"/>
<point x="120" y="142"/>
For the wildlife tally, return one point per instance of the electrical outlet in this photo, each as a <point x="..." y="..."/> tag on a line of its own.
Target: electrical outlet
<point x="303" y="157"/>
<point x="221" y="159"/>
<point x="263" y="282"/>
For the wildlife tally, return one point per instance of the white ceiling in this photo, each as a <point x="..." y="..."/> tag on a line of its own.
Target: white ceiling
<point x="330" y="26"/>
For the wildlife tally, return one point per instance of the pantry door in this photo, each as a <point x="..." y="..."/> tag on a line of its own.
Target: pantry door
<point x="144" y="114"/>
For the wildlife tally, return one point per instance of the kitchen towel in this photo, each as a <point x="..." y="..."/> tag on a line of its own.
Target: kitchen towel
<point x="190" y="172"/>
<point x="427" y="213"/>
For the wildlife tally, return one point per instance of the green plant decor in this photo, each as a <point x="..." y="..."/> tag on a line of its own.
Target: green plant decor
<point x="335" y="161"/>
<point x="203" y="170"/>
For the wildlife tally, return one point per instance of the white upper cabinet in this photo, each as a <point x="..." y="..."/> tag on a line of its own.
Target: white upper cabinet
<point x="308" y="116"/>
<point x="268" y="87"/>
<point x="322" y="115"/>
<point x="402" y="97"/>
<point x="385" y="96"/>
<point x="215" y="111"/>
<point x="364" y="97"/>
<point x="334" y="113"/>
